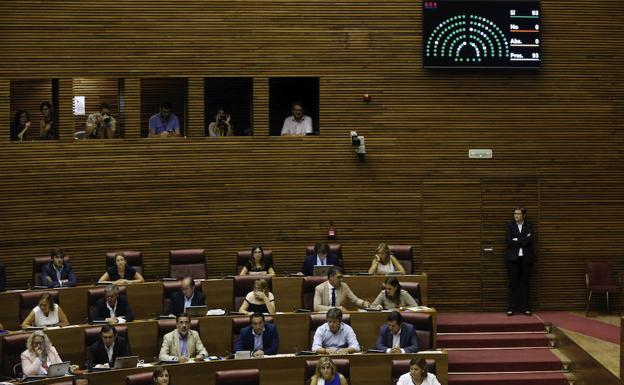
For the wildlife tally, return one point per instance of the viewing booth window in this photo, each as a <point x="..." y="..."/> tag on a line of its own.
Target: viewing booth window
<point x="34" y="106"/>
<point x="228" y="106"/>
<point x="301" y="119"/>
<point x="156" y="94"/>
<point x="99" y="107"/>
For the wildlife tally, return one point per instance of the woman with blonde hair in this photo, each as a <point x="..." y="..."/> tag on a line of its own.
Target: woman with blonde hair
<point x="39" y="355"/>
<point x="46" y="313"/>
<point x="260" y="300"/>
<point x="327" y="374"/>
<point x="384" y="262"/>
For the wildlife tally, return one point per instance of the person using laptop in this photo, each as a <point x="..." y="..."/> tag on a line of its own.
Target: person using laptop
<point x="259" y="337"/>
<point x="259" y="300"/>
<point x="384" y="262"/>
<point x="39" y="355"/>
<point x="58" y="273"/>
<point x="187" y="296"/>
<point x="397" y="336"/>
<point x="106" y="349"/>
<point x="321" y="257"/>
<point x="182" y="344"/>
<point x="121" y="273"/>
<point x="46" y="313"/>
<point x="113" y="308"/>
<point x="335" y="293"/>
<point x="393" y="296"/>
<point x="334" y="336"/>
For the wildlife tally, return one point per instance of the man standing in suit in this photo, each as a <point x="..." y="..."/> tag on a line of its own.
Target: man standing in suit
<point x="182" y="344"/>
<point x="187" y="296"/>
<point x="113" y="308"/>
<point x="397" y="336"/>
<point x="58" y="273"/>
<point x="321" y="257"/>
<point x="259" y="337"/>
<point x="335" y="293"/>
<point x="107" y="348"/>
<point x="519" y="261"/>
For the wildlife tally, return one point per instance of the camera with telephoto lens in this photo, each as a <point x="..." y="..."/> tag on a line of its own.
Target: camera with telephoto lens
<point x="106" y="119"/>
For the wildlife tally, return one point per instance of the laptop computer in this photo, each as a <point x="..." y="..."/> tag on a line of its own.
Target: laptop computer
<point x="126" y="362"/>
<point x="197" y="311"/>
<point x="55" y="370"/>
<point x="321" y="270"/>
<point x="242" y="354"/>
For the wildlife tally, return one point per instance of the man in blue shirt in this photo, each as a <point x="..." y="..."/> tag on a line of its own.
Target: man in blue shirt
<point x="335" y="336"/>
<point x="165" y="123"/>
<point x="259" y="337"/>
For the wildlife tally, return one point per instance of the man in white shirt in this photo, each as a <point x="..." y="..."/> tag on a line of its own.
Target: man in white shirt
<point x="334" y="336"/>
<point x="297" y="123"/>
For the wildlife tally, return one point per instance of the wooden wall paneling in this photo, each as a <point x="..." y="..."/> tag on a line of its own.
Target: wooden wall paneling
<point x="27" y="95"/>
<point x="132" y="107"/>
<point x="499" y="197"/>
<point x="96" y="91"/>
<point x="195" y="121"/>
<point x="451" y="242"/>
<point x="5" y="109"/>
<point x="66" y="110"/>
<point x="260" y="121"/>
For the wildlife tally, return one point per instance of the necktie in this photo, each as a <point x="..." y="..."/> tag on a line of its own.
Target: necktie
<point x="333" y="296"/>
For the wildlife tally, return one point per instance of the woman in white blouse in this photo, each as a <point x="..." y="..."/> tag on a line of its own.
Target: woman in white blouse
<point x="46" y="313"/>
<point x="384" y="262"/>
<point x="418" y="374"/>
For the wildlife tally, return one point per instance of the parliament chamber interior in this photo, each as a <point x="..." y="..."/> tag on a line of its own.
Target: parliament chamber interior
<point x="342" y="192"/>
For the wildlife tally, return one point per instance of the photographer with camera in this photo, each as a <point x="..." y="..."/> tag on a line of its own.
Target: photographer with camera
<point x="101" y="125"/>
<point x="221" y="125"/>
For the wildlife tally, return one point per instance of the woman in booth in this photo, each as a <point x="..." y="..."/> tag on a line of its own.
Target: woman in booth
<point x="20" y="126"/>
<point x="393" y="296"/>
<point x="46" y="313"/>
<point x="258" y="263"/>
<point x="46" y="124"/>
<point x="121" y="273"/>
<point x="160" y="376"/>
<point x="384" y="262"/>
<point x="418" y="374"/>
<point x="39" y="355"/>
<point x="221" y="125"/>
<point x="260" y="300"/>
<point x="327" y="374"/>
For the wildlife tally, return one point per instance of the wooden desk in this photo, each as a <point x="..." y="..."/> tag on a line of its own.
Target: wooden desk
<point x="366" y="369"/>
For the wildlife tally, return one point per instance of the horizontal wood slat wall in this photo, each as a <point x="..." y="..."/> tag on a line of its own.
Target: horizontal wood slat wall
<point x="556" y="134"/>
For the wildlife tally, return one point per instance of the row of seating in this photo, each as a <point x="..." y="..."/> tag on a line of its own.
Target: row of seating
<point x="15" y="343"/>
<point x="192" y="262"/>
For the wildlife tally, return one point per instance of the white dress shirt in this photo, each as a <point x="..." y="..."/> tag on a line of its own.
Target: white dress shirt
<point x="293" y="126"/>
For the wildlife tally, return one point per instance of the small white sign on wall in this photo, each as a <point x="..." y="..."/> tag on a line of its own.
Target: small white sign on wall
<point x="79" y="105"/>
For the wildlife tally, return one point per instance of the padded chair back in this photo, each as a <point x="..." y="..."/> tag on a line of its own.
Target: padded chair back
<point x="92" y="334"/>
<point x="243" y="256"/>
<point x="240" y="322"/>
<point x="423" y="323"/>
<point x="12" y="347"/>
<point x="405" y="255"/>
<point x="343" y="365"/>
<point x="94" y="294"/>
<point x="317" y="319"/>
<point x="140" y="379"/>
<point x="29" y="299"/>
<point x="243" y="284"/>
<point x="238" y="377"/>
<point x="308" y="284"/>
<point x="62" y="383"/>
<point x="187" y="263"/>
<point x="168" y="325"/>
<point x="400" y="367"/>
<point x="170" y="287"/>
<point x="133" y="258"/>
<point x="38" y="263"/>
<point x="414" y="289"/>
<point x="335" y="250"/>
<point x="600" y="276"/>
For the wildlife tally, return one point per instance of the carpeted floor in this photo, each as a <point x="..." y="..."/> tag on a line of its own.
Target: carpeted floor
<point x="582" y="325"/>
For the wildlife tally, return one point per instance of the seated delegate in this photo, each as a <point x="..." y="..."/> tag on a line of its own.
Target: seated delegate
<point x="384" y="262"/>
<point x="259" y="300"/>
<point x="46" y="313"/>
<point x="258" y="263"/>
<point x="121" y="273"/>
<point x="393" y="296"/>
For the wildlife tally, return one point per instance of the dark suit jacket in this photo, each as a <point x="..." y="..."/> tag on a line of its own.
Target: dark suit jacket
<point x="310" y="261"/>
<point x="270" y="339"/>
<point x="177" y="302"/>
<point x="524" y="241"/>
<point x="407" y="341"/>
<point x="96" y="353"/>
<point x="100" y="311"/>
<point x="48" y="271"/>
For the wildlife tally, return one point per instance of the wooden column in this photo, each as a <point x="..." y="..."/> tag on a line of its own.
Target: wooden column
<point x="5" y="109"/>
<point x="195" y="108"/>
<point x="65" y="110"/>
<point x="260" y="107"/>
<point x="132" y="109"/>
